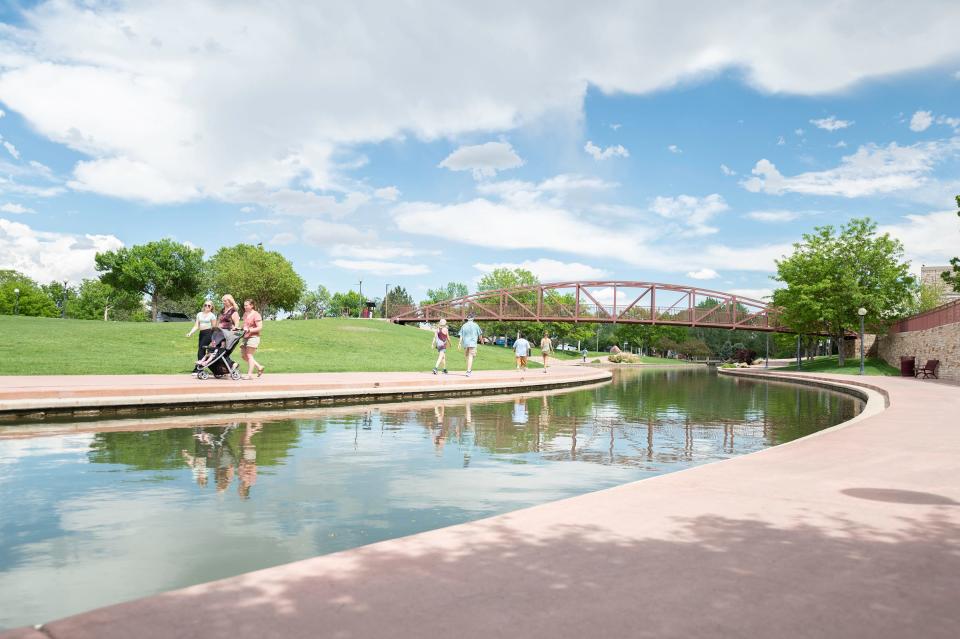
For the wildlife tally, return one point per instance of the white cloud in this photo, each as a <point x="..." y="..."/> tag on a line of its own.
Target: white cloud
<point x="840" y="145"/>
<point x="703" y="274"/>
<point x="283" y="239"/>
<point x="378" y="251"/>
<point x="322" y="233"/>
<point x="726" y="170"/>
<point x="268" y="221"/>
<point x="483" y="160"/>
<point x="548" y="270"/>
<point x="798" y="132"/>
<point x="830" y="124"/>
<point x="47" y="256"/>
<point x="691" y="212"/>
<point x="673" y="148"/>
<point x="12" y="150"/>
<point x="772" y="217"/>
<point x="921" y="121"/>
<point x="90" y="74"/>
<point x="927" y="239"/>
<point x="382" y="268"/>
<point x="869" y="171"/>
<point x="388" y="193"/>
<point x="247" y="209"/>
<point x="604" y="154"/>
<point x="299" y="203"/>
<point x="781" y="141"/>
<point x="10" y="207"/>
<point x="616" y="126"/>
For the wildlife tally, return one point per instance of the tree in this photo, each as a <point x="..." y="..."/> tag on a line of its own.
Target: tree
<point x="98" y="301"/>
<point x="511" y="278"/>
<point x="348" y="304"/>
<point x="448" y="292"/>
<point x="251" y="272"/>
<point x="831" y="275"/>
<point x="156" y="269"/>
<point x="952" y="278"/>
<point x="397" y="298"/>
<point x="32" y="298"/>
<point x="314" y="303"/>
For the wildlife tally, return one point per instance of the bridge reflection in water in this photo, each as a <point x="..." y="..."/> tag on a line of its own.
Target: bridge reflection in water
<point x="613" y="301"/>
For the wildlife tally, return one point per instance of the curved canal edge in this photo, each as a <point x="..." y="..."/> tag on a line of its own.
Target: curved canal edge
<point x="36" y="398"/>
<point x="853" y="532"/>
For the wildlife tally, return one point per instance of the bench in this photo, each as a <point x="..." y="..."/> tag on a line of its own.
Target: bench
<point x="929" y="369"/>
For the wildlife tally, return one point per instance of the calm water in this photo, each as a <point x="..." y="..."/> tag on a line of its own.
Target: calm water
<point x="92" y="519"/>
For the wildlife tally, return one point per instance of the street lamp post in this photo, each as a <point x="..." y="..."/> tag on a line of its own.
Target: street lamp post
<point x="798" y="351"/>
<point x="386" y="295"/>
<point x="861" y="312"/>
<point x="16" y="301"/>
<point x="766" y="363"/>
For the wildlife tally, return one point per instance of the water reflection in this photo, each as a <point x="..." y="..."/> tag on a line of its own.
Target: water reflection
<point x="94" y="518"/>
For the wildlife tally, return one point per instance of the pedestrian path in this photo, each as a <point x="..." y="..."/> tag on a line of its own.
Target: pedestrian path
<point x="23" y="395"/>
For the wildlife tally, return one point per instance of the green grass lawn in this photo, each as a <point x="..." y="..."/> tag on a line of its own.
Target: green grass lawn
<point x="872" y="366"/>
<point x="41" y="346"/>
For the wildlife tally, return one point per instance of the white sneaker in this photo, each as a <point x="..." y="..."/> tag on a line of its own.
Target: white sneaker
<point x="468" y="373"/>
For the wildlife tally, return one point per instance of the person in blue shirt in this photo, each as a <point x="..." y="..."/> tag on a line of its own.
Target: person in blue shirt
<point x="521" y="348"/>
<point x="469" y="338"/>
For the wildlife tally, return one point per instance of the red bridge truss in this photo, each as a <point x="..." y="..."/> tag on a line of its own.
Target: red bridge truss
<point x="608" y="302"/>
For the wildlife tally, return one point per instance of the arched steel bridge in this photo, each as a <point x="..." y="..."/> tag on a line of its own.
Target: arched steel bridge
<point x="608" y="302"/>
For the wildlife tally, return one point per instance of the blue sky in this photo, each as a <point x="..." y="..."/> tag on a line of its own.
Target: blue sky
<point x="374" y="142"/>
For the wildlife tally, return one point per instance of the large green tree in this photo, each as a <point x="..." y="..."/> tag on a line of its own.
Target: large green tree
<point x="831" y="274"/>
<point x="156" y="269"/>
<point x="95" y="300"/>
<point x="397" y="299"/>
<point x="349" y="304"/>
<point x="252" y="272"/>
<point x="33" y="300"/>
<point x="512" y="278"/>
<point x="314" y="303"/>
<point x="449" y="291"/>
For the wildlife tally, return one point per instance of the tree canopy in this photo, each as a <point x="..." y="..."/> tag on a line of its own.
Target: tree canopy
<point x="831" y="275"/>
<point x="251" y="272"/>
<point x="447" y="292"/>
<point x="157" y="269"/>
<point x="349" y="304"/>
<point x="952" y="278"/>
<point x="32" y="298"/>
<point x="314" y="303"/>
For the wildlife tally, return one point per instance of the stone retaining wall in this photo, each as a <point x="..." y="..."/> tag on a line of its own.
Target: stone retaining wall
<point x="942" y="342"/>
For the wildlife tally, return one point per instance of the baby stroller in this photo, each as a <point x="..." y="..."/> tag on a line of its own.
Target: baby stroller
<point x="217" y="360"/>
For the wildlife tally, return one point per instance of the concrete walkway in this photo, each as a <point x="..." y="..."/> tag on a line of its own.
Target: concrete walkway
<point x="853" y="532"/>
<point x="37" y="396"/>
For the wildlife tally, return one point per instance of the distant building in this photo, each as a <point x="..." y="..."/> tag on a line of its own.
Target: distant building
<point x="930" y="275"/>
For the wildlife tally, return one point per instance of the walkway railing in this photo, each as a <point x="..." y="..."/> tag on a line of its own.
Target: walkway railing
<point x="949" y="313"/>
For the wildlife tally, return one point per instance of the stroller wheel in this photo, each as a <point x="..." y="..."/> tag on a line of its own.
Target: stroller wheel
<point x="235" y="374"/>
<point x="203" y="375"/>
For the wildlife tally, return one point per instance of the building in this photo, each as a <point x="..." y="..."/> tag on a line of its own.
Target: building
<point x="930" y="275"/>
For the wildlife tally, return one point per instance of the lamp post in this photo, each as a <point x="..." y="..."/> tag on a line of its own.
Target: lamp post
<point x="861" y="312"/>
<point x="766" y="362"/>
<point x="386" y="294"/>
<point x="16" y="301"/>
<point x="798" y="351"/>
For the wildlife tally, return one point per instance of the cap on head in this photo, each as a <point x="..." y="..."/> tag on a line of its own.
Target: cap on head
<point x="471" y="316"/>
<point x="443" y="322"/>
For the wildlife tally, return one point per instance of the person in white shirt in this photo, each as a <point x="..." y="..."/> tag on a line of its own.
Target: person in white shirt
<point x="206" y="318"/>
<point x="521" y="348"/>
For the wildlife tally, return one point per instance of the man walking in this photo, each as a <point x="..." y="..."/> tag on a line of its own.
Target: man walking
<point x="469" y="337"/>
<point x="521" y="348"/>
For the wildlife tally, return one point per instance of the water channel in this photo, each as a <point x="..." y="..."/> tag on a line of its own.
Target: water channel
<point x="102" y="516"/>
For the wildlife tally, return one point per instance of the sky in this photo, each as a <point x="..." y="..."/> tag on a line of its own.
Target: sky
<point x="415" y="144"/>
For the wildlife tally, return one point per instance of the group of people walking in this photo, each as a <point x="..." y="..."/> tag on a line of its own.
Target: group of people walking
<point x="470" y="334"/>
<point x="215" y="327"/>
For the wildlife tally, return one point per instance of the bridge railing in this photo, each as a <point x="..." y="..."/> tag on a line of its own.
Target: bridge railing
<point x="722" y="316"/>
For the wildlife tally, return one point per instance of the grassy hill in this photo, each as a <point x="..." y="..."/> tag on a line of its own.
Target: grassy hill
<point x="829" y="364"/>
<point x="41" y="346"/>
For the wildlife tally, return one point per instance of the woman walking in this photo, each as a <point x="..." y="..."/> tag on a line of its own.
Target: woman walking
<point x="440" y="341"/>
<point x="204" y="323"/>
<point x="546" y="347"/>
<point x="230" y="316"/>
<point x="252" y="325"/>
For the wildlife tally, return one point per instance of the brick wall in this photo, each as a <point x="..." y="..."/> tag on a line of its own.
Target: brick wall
<point x="942" y="342"/>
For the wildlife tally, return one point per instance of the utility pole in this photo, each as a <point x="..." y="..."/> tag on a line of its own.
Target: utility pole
<point x="386" y="294"/>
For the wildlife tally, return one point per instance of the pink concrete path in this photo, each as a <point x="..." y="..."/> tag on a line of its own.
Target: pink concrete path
<point x="853" y="532"/>
<point x="47" y="392"/>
